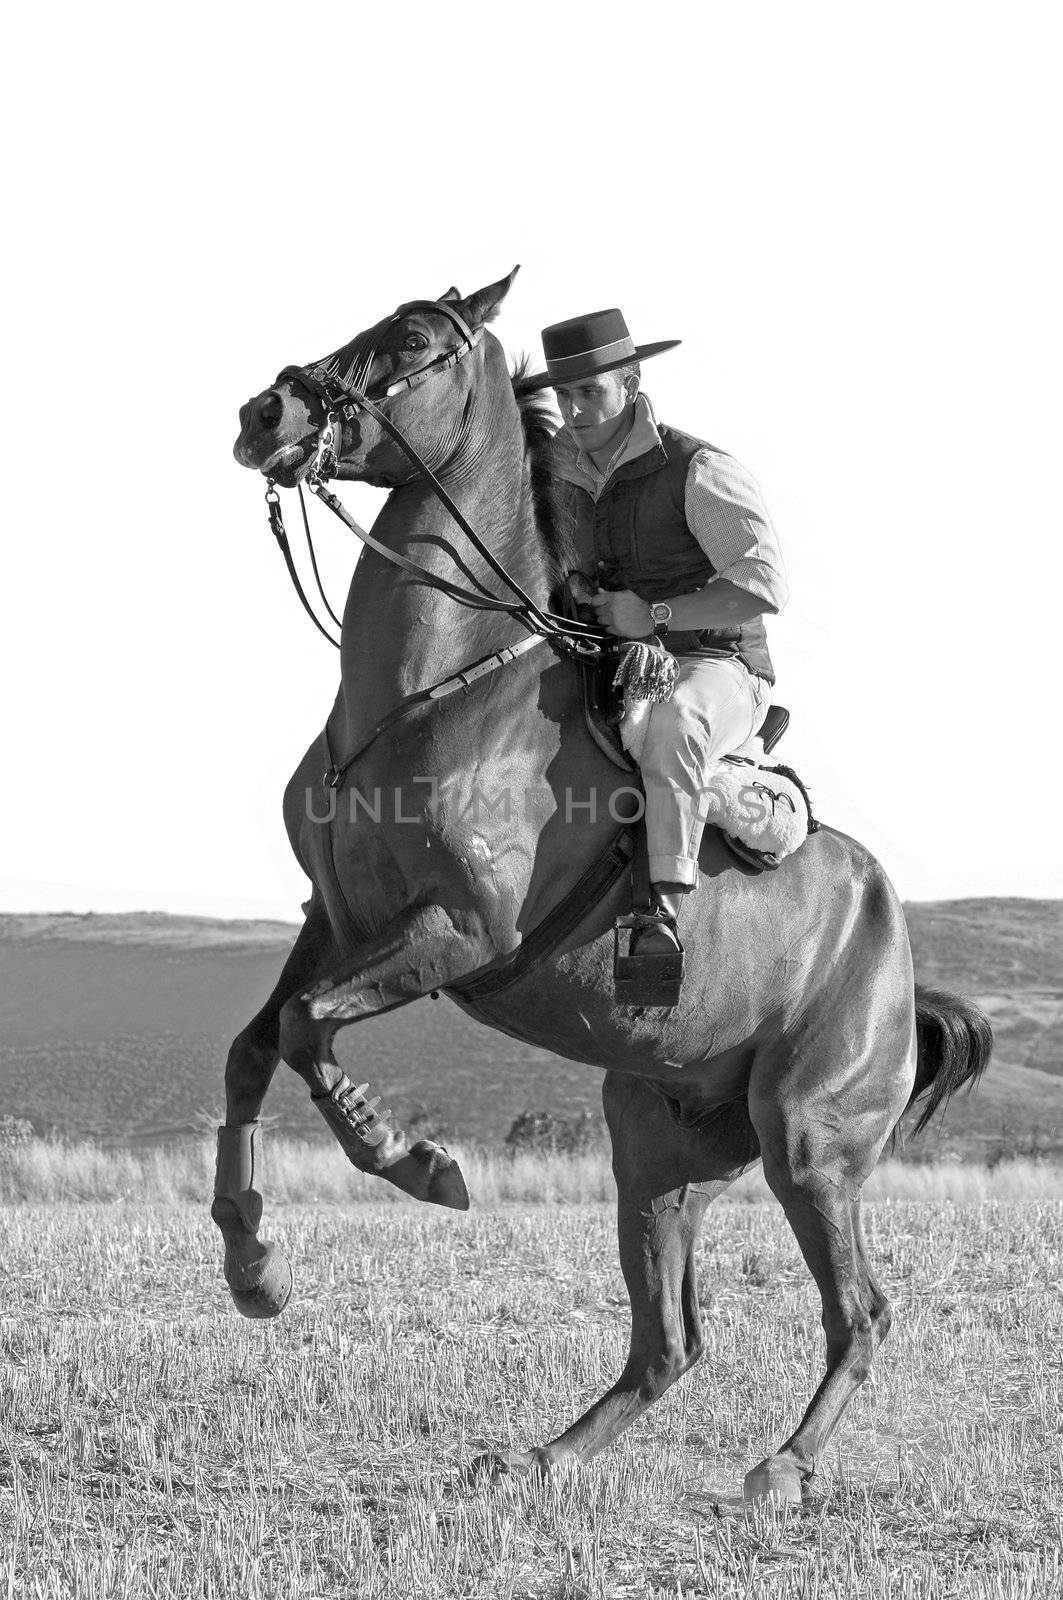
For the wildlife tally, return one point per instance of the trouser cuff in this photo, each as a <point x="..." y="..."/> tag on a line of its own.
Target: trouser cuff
<point x="674" y="869"/>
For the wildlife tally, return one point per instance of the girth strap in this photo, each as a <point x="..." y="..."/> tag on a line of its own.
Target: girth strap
<point x="586" y="893"/>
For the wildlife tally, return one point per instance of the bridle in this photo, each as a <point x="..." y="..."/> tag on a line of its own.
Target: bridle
<point x="341" y="399"/>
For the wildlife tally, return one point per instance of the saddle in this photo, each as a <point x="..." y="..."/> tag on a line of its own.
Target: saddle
<point x="644" y="978"/>
<point x="603" y="710"/>
<point x="640" y="981"/>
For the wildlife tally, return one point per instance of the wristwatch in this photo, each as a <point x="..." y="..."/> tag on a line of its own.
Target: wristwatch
<point x="662" y="616"/>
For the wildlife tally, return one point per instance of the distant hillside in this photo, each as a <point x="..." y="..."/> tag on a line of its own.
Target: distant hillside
<point x="118" y="1026"/>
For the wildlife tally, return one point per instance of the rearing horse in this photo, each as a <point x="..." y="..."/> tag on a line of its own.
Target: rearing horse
<point x="800" y="1038"/>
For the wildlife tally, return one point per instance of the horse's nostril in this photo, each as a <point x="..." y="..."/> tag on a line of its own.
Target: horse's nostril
<point x="270" y="408"/>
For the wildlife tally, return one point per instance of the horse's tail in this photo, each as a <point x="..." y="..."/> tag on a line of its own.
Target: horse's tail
<point x="955" y="1043"/>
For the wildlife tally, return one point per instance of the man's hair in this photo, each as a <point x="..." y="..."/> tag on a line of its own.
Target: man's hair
<point x="633" y="369"/>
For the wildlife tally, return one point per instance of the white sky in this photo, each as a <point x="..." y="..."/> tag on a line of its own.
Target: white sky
<point x="851" y="217"/>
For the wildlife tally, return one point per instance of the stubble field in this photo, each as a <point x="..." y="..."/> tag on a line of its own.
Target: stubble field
<point x="154" y="1444"/>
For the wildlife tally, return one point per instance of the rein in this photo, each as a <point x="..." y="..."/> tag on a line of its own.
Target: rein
<point x="567" y="635"/>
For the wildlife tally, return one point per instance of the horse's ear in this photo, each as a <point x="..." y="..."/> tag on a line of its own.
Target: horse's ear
<point x="451" y="294"/>
<point x="483" y="306"/>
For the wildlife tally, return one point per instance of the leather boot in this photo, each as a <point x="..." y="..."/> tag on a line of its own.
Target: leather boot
<point x="661" y="937"/>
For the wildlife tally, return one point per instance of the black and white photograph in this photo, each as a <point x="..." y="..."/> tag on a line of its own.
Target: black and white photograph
<point x="531" y="917"/>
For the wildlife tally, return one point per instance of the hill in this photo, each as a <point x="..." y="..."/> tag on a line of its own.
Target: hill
<point x="118" y="1026"/>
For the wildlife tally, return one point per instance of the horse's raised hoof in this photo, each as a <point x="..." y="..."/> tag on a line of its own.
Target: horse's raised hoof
<point x="443" y="1179"/>
<point x="776" y="1479"/>
<point x="260" y="1288"/>
<point x="264" y="1288"/>
<point x="259" y="1274"/>
<point x="426" y="1171"/>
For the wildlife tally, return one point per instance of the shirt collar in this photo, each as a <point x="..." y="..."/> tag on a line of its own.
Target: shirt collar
<point x="642" y="437"/>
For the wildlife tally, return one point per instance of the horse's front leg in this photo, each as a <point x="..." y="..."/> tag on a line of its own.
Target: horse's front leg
<point x="419" y="950"/>
<point x="258" y="1274"/>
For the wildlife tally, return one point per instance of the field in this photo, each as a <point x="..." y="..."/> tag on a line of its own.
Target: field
<point x="153" y="1444"/>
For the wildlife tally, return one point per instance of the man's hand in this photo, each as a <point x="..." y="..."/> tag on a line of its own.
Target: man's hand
<point x="621" y="612"/>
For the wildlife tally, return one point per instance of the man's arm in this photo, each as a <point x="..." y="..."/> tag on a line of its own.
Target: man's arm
<point x="721" y="604"/>
<point x="727" y="517"/>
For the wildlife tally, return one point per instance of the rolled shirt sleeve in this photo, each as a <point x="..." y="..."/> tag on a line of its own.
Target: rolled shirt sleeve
<point x="727" y="517"/>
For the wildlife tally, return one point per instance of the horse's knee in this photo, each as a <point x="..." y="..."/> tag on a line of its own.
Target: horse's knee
<point x="306" y="1046"/>
<point x="295" y="1033"/>
<point x="249" y="1067"/>
<point x="252" y="1054"/>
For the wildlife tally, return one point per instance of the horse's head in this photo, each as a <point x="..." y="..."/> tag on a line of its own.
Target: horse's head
<point x="418" y="365"/>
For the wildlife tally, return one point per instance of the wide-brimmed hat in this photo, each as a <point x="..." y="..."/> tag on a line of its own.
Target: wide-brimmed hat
<point x="584" y="346"/>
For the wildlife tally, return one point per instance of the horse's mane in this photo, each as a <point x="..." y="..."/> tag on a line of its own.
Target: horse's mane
<point x="539" y="421"/>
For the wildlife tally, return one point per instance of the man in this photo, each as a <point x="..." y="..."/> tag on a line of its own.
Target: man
<point x="678" y="531"/>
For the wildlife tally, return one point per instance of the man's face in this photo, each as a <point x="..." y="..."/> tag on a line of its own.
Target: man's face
<point x="597" y="412"/>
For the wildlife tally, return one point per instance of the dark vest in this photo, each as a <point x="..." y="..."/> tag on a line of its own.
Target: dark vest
<point x="636" y="537"/>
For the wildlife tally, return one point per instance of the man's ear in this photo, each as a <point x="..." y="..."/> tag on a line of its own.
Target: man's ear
<point x="483" y="306"/>
<point x="632" y="385"/>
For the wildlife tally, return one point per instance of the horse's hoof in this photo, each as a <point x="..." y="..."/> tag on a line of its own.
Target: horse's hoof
<point x="263" y="1287"/>
<point x="425" y="1171"/>
<point x="776" y="1479"/>
<point x="446" y="1181"/>
<point x="428" y="1172"/>
<point x="500" y="1464"/>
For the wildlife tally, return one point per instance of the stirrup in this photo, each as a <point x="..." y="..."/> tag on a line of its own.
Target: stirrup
<point x="651" y="977"/>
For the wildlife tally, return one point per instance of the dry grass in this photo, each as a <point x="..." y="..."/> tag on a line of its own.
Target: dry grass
<point x="43" y="1171"/>
<point x="152" y="1444"/>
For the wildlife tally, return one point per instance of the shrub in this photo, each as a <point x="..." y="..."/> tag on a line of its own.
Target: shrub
<point x="426" y="1122"/>
<point x="15" y="1131"/>
<point x="547" y="1134"/>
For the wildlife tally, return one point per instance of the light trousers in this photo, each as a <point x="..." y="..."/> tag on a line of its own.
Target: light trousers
<point x="716" y="706"/>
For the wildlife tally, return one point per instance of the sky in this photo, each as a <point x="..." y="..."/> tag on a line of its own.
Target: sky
<point x="850" y="217"/>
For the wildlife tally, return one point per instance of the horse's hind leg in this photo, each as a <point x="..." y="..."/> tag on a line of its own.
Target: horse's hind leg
<point x="856" y="1319"/>
<point x="659" y="1213"/>
<point x="258" y="1275"/>
<point x="818" y="1147"/>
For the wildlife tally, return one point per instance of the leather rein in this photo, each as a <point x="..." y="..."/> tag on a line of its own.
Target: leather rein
<point x="341" y="399"/>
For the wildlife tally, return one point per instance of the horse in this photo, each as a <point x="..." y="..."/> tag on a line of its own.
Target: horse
<point x="439" y="830"/>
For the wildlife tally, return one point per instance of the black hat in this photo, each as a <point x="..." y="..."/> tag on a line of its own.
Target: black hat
<point x="584" y="346"/>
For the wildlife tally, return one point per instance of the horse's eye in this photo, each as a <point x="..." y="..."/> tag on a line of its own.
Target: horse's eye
<point x="415" y="341"/>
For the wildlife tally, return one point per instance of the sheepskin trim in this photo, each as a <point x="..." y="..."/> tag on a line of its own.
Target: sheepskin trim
<point x="765" y="807"/>
<point x="762" y="808"/>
